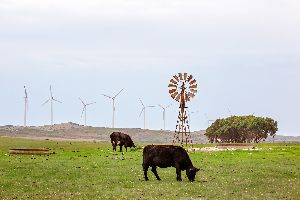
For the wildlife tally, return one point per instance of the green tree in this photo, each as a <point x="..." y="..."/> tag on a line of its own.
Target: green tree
<point x="240" y="129"/>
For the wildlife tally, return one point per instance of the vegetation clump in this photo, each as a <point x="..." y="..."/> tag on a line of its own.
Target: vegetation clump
<point x="241" y="129"/>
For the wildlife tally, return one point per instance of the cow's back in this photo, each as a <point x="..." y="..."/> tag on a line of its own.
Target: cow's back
<point x="164" y="155"/>
<point x="128" y="141"/>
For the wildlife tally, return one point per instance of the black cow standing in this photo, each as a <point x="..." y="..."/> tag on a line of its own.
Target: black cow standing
<point x="164" y="156"/>
<point x="118" y="138"/>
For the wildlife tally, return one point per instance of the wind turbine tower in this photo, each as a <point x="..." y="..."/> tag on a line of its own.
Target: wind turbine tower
<point x="144" y="110"/>
<point x="51" y="103"/>
<point x="26" y="106"/>
<point x="84" y="109"/>
<point x="113" y="103"/>
<point x="164" y="114"/>
<point x="189" y="114"/>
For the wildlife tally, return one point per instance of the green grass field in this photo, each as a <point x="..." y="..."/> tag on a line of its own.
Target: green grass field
<point x="86" y="170"/>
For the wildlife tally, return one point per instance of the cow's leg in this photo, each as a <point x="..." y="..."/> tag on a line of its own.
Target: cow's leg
<point x="178" y="173"/>
<point x="155" y="172"/>
<point x="114" y="145"/>
<point x="121" y="145"/>
<point x="145" y="167"/>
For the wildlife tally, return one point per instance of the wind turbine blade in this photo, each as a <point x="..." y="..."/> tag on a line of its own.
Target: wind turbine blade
<point x="161" y="106"/>
<point x="150" y="106"/>
<point x="25" y="91"/>
<point x="91" y="103"/>
<point x="57" y="100"/>
<point x="118" y="93"/>
<point x="141" y="112"/>
<point x="46" y="102"/>
<point x="81" y="100"/>
<point x="142" y="103"/>
<point x="83" y="110"/>
<point x="107" y="96"/>
<point x="169" y="105"/>
<point x="50" y="91"/>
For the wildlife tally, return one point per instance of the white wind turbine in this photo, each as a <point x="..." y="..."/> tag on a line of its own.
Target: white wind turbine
<point x="51" y="103"/>
<point x="26" y="106"/>
<point x="84" y="109"/>
<point x="209" y="121"/>
<point x="189" y="114"/>
<point x="113" y="103"/>
<point x="164" y="114"/>
<point x="144" y="110"/>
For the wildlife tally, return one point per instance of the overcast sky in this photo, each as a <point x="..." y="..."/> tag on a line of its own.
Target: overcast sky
<point x="245" y="55"/>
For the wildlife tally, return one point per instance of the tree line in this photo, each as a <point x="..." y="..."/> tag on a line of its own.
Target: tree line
<point x="241" y="129"/>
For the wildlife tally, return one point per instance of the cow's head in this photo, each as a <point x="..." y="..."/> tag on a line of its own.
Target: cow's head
<point x="130" y="144"/>
<point x="191" y="173"/>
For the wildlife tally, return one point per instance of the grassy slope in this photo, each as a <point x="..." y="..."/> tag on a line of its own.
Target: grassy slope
<point x="92" y="171"/>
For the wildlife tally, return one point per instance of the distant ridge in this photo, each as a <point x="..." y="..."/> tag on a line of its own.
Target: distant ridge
<point x="73" y="131"/>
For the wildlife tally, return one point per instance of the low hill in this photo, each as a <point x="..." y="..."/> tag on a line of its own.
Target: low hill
<point x="73" y="131"/>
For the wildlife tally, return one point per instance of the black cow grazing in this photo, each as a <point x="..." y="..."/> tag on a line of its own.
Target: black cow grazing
<point x="118" y="138"/>
<point x="168" y="156"/>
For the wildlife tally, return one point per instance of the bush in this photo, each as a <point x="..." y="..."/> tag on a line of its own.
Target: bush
<point x="240" y="129"/>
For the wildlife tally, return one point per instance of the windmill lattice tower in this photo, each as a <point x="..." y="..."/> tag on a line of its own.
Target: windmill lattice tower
<point x="182" y="88"/>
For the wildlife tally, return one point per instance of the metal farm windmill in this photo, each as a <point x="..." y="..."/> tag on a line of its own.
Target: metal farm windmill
<point x="84" y="109"/>
<point x="26" y="106"/>
<point x="164" y="113"/>
<point x="144" y="110"/>
<point x="182" y="88"/>
<point x="51" y="103"/>
<point x="113" y="103"/>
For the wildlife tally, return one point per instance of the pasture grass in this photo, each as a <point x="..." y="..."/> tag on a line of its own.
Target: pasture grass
<point x="89" y="170"/>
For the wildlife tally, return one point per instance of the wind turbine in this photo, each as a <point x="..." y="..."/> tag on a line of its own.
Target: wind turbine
<point x="113" y="102"/>
<point x="51" y="103"/>
<point x="84" y="109"/>
<point x="189" y="114"/>
<point x="229" y="112"/>
<point x="26" y="106"/>
<point x="164" y="114"/>
<point x="209" y="121"/>
<point x="144" y="109"/>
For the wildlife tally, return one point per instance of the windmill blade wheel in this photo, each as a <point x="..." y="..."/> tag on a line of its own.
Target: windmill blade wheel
<point x="182" y="83"/>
